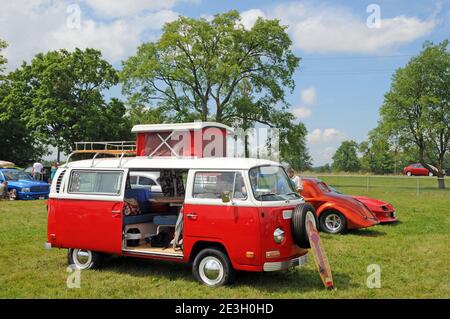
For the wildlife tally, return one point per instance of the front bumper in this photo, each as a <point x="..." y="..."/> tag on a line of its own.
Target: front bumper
<point x="386" y="217"/>
<point x="283" y="265"/>
<point x="32" y="195"/>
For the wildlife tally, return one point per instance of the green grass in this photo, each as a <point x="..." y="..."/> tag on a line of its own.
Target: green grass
<point x="413" y="254"/>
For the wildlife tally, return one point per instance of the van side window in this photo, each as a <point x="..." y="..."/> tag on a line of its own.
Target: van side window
<point x="213" y="184"/>
<point x="133" y="180"/>
<point x="95" y="182"/>
<point x="146" y="181"/>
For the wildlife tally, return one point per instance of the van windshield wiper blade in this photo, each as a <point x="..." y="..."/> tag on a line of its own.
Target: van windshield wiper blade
<point x="292" y="193"/>
<point x="270" y="194"/>
<point x="267" y="194"/>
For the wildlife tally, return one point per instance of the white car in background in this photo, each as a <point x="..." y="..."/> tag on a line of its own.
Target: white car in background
<point x="148" y="180"/>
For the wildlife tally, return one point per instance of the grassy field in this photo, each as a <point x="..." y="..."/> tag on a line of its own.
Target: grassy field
<point x="413" y="254"/>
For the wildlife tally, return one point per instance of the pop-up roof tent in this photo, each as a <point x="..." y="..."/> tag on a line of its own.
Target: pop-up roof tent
<point x="198" y="139"/>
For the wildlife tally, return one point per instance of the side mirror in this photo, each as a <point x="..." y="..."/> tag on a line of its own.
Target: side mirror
<point x="225" y="197"/>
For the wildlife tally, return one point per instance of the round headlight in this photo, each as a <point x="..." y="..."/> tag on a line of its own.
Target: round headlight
<point x="25" y="190"/>
<point x="278" y="235"/>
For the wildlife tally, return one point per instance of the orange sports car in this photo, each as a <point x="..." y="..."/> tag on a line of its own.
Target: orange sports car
<point x="336" y="212"/>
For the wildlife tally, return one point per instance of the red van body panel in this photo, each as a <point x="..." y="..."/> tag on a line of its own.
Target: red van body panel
<point x="86" y="224"/>
<point x="237" y="228"/>
<point x="271" y="219"/>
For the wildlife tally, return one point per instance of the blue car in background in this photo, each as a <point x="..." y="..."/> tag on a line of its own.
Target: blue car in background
<point x="21" y="185"/>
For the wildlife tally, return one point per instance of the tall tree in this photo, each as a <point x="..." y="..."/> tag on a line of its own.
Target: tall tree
<point x="293" y="147"/>
<point x="346" y="159"/>
<point x="378" y="155"/>
<point x="196" y="67"/>
<point x="417" y="107"/>
<point x="16" y="141"/>
<point x="219" y="70"/>
<point x="64" y="98"/>
<point x="3" y="59"/>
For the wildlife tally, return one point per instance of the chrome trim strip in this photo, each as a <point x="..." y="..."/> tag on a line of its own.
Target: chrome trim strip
<point x="282" y="265"/>
<point x="153" y="253"/>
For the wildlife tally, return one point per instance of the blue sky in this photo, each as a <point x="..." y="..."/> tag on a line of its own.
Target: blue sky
<point x="345" y="70"/>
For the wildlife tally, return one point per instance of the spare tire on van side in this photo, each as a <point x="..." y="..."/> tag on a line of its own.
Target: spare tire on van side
<point x="298" y="225"/>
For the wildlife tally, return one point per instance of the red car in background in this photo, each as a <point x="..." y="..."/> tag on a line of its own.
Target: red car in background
<point x="416" y="169"/>
<point x="338" y="212"/>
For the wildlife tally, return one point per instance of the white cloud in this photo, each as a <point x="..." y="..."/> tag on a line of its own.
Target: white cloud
<point x="327" y="135"/>
<point x="249" y="17"/>
<point x="331" y="29"/>
<point x="314" y="137"/>
<point x="308" y="96"/>
<point x="123" y="8"/>
<point x="301" y="112"/>
<point x="332" y="134"/>
<point x="30" y="27"/>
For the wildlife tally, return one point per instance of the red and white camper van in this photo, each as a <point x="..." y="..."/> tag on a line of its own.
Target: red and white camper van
<point x="220" y="214"/>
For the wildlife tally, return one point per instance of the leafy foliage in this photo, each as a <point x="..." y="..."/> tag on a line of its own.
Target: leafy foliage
<point x="218" y="70"/>
<point x="16" y="142"/>
<point x="417" y="107"/>
<point x="346" y="159"/>
<point x="64" y="100"/>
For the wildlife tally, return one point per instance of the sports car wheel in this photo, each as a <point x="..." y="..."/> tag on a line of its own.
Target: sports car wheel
<point x="408" y="174"/>
<point x="333" y="222"/>
<point x="430" y="174"/>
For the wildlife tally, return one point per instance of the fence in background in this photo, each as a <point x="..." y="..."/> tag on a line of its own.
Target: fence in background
<point x="416" y="184"/>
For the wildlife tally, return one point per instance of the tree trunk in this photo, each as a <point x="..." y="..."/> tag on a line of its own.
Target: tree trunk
<point x="441" y="182"/>
<point x="246" y="151"/>
<point x="58" y="156"/>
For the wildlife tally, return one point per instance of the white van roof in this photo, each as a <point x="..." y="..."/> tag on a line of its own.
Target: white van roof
<point x="172" y="163"/>
<point x="177" y="126"/>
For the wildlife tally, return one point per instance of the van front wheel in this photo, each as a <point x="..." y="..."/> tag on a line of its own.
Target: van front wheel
<point x="84" y="259"/>
<point x="213" y="268"/>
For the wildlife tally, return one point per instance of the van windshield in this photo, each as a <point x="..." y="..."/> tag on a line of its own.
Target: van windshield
<point x="271" y="183"/>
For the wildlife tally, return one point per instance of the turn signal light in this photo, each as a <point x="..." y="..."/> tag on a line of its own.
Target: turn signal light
<point x="250" y="254"/>
<point x="272" y="254"/>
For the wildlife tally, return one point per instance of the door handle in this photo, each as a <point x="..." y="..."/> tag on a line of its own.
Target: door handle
<point x="192" y="216"/>
<point x="116" y="213"/>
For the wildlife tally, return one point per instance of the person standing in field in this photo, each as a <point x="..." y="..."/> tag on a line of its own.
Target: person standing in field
<point x="53" y="171"/>
<point x="296" y="180"/>
<point x="37" y="171"/>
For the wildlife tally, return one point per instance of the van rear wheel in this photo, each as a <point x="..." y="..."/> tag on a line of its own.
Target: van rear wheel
<point x="213" y="268"/>
<point x="84" y="259"/>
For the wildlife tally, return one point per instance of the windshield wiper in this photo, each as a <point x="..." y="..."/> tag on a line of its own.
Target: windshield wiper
<point x="271" y="194"/>
<point x="267" y="194"/>
<point x="292" y="193"/>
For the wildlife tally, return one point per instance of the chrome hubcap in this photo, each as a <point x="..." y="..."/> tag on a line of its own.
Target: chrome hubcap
<point x="82" y="258"/>
<point x="211" y="270"/>
<point x="333" y="222"/>
<point x="13" y="195"/>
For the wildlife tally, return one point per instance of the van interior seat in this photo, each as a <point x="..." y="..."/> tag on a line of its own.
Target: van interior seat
<point x="142" y="196"/>
<point x="138" y="219"/>
<point x="165" y="220"/>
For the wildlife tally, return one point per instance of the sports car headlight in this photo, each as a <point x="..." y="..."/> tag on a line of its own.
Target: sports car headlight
<point x="25" y="190"/>
<point x="278" y="235"/>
